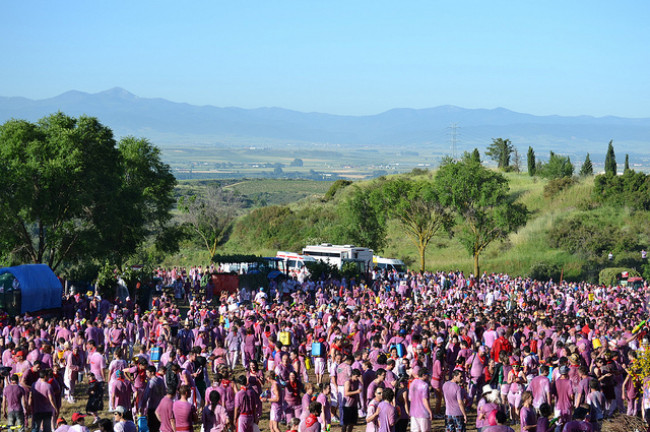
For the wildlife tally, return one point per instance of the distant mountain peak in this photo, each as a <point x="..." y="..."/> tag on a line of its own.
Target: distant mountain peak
<point x="117" y="92"/>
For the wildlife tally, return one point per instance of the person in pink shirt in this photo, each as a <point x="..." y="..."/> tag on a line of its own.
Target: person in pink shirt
<point x="185" y="414"/>
<point x="419" y="409"/>
<point x="165" y="412"/>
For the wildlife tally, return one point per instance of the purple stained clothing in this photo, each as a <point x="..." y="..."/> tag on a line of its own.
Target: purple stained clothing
<point x="326" y="412"/>
<point x="418" y="393"/>
<point x="184" y="413"/>
<point x="387" y="417"/>
<point x="540" y="387"/>
<point x="452" y="393"/>
<point x="483" y="409"/>
<point x="527" y="416"/>
<point x="244" y="402"/>
<point x="15" y="396"/>
<point x="165" y="413"/>
<point x="498" y="428"/>
<point x="41" y="394"/>
<point x="564" y="392"/>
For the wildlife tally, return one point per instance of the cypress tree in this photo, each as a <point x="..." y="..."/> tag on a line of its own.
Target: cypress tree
<point x="587" y="168"/>
<point x="531" y="162"/>
<point x="610" y="160"/>
<point x="476" y="156"/>
<point x="627" y="163"/>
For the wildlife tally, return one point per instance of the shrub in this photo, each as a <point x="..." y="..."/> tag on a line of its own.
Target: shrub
<point x="557" y="185"/>
<point x="611" y="275"/>
<point x="544" y="271"/>
<point x="335" y="188"/>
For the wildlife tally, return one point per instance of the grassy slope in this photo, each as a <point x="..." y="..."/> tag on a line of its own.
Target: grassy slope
<point x="515" y="256"/>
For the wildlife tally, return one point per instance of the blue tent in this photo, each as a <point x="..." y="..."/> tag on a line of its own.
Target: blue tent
<point x="39" y="287"/>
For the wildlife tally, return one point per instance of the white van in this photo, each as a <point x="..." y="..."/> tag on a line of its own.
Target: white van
<point x="293" y="263"/>
<point x="389" y="264"/>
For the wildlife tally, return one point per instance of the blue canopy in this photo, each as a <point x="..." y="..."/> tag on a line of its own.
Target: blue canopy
<point x="39" y="286"/>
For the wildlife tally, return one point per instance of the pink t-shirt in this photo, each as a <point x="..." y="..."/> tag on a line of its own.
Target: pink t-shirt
<point x="419" y="391"/>
<point x="165" y="413"/>
<point x="97" y="365"/>
<point x="184" y="413"/>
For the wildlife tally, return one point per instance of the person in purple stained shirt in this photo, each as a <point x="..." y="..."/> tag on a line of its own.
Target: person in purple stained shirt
<point x="311" y="423"/>
<point x="564" y="393"/>
<point x="43" y="403"/>
<point x="350" y="401"/>
<point x="246" y="406"/>
<point x="420" y="410"/>
<point x="501" y="426"/>
<point x="540" y="387"/>
<point x="165" y="412"/>
<point x="371" y="419"/>
<point x="456" y="418"/>
<point x="14" y="402"/>
<point x="527" y="416"/>
<point x="386" y="413"/>
<point x="184" y="412"/>
<point x="323" y="397"/>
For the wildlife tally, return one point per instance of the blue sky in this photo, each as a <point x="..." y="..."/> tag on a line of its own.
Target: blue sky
<point x="340" y="57"/>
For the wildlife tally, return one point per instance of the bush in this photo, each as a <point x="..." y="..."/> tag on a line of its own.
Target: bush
<point x="611" y="275"/>
<point x="557" y="185"/>
<point x="335" y="188"/>
<point x="544" y="271"/>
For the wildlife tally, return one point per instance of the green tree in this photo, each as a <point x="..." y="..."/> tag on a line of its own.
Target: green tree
<point x="480" y="198"/>
<point x="363" y="219"/>
<point x="416" y="207"/>
<point x="610" y="160"/>
<point x="587" y="168"/>
<point x="556" y="167"/>
<point x="476" y="156"/>
<point x="531" y="161"/>
<point x="627" y="163"/>
<point x="500" y="151"/>
<point x="69" y="193"/>
<point x="210" y="217"/>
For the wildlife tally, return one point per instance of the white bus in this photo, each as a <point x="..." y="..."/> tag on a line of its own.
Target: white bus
<point x="336" y="255"/>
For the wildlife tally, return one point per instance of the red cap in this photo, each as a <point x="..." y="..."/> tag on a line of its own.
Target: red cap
<point x="77" y="416"/>
<point x="20" y="354"/>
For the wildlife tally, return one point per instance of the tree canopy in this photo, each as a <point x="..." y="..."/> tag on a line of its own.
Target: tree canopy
<point x="500" y="151"/>
<point x="69" y="192"/>
<point x="610" y="159"/>
<point x="417" y="208"/>
<point x="480" y="198"/>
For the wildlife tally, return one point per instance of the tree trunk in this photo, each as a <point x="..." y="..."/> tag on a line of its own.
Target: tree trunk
<point x="476" y="266"/>
<point x="423" y="251"/>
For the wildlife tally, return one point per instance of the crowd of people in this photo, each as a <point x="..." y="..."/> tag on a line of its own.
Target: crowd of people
<point x="387" y="354"/>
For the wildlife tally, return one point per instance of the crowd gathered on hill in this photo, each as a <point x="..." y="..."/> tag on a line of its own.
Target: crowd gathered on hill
<point x="387" y="354"/>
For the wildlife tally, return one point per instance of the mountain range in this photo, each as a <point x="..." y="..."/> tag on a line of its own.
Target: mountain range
<point x="169" y="123"/>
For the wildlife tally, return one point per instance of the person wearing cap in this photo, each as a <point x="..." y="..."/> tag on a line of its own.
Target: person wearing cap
<point x="14" y="403"/>
<point x="121" y="391"/>
<point x="540" y="387"/>
<point x="78" y="423"/>
<point x="121" y="423"/>
<point x="63" y="426"/>
<point x="565" y="396"/>
<point x="419" y="409"/>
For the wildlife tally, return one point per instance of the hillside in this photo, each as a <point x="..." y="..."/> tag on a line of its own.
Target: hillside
<point x="310" y="220"/>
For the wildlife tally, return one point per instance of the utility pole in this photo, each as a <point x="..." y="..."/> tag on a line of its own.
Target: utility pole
<point x="454" y="138"/>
